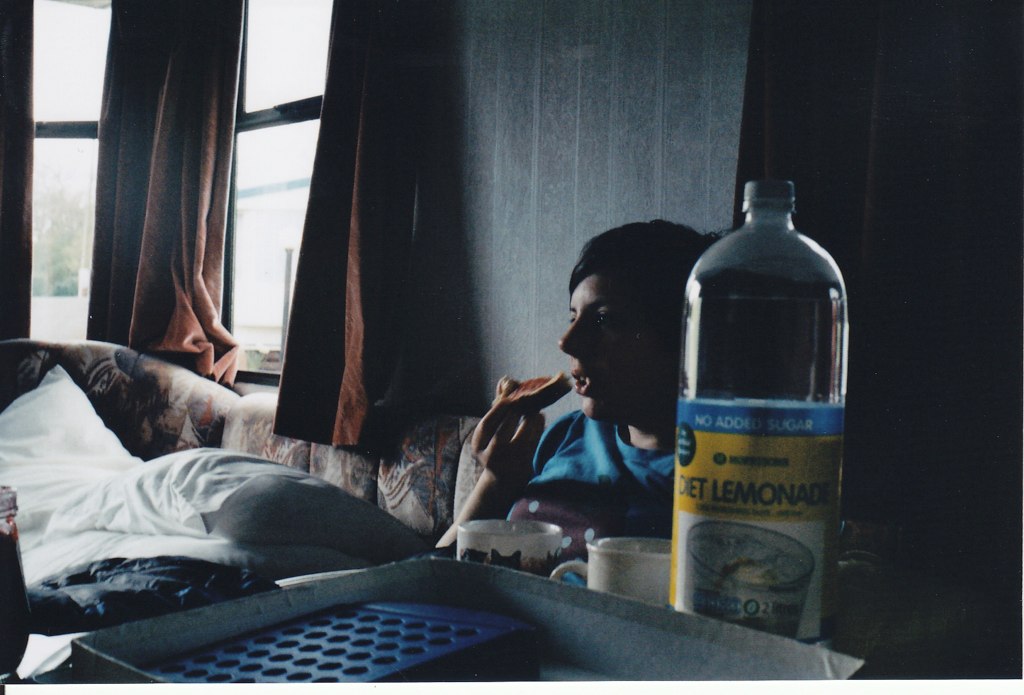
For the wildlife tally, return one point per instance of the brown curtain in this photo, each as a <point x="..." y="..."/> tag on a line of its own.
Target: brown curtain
<point x="900" y="124"/>
<point x="16" y="133"/>
<point x="165" y="141"/>
<point x="343" y="334"/>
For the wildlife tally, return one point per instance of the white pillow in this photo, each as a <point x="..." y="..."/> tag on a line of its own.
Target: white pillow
<point x="55" y="419"/>
<point x="52" y="443"/>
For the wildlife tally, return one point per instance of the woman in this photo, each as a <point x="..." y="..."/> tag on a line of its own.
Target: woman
<point x="606" y="469"/>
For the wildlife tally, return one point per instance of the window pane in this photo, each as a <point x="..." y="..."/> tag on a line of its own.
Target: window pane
<point x="286" y="51"/>
<point x="273" y="170"/>
<point x="69" y="55"/>
<point x="63" y="208"/>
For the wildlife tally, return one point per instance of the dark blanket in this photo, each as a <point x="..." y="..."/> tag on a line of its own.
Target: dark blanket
<point x="110" y="592"/>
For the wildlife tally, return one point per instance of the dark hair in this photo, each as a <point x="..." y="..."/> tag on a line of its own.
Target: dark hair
<point x="654" y="260"/>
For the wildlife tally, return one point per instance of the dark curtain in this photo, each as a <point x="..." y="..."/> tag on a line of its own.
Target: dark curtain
<point x="165" y="141"/>
<point x="900" y="124"/>
<point x="344" y="333"/>
<point x="16" y="133"/>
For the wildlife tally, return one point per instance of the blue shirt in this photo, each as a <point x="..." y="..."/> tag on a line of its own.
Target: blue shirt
<point x="593" y="484"/>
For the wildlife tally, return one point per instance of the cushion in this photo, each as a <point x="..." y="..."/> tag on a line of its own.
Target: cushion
<point x="416" y="482"/>
<point x="56" y="419"/>
<point x="353" y="471"/>
<point x="54" y="424"/>
<point x="249" y="427"/>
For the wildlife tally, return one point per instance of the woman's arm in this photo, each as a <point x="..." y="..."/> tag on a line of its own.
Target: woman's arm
<point x="503" y="444"/>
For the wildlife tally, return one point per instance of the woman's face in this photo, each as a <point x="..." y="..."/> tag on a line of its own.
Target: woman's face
<point x="622" y="370"/>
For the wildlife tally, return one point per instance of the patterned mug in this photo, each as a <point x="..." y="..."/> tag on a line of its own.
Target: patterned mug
<point x="528" y="546"/>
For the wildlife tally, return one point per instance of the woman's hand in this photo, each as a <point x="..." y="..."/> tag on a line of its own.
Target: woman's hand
<point x="503" y="445"/>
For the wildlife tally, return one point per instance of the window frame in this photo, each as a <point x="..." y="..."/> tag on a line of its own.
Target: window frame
<point x="68" y="130"/>
<point x="298" y="111"/>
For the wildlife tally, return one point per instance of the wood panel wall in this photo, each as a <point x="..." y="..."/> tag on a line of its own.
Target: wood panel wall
<point x="556" y="120"/>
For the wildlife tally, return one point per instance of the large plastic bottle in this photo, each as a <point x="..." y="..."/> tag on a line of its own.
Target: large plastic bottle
<point x="760" y="426"/>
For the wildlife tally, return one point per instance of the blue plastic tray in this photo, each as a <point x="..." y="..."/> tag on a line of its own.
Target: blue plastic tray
<point x="367" y="642"/>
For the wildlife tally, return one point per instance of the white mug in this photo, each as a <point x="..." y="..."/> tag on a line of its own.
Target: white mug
<point x="530" y="546"/>
<point x="634" y="567"/>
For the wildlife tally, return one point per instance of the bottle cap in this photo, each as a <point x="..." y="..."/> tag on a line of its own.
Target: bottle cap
<point x="779" y="192"/>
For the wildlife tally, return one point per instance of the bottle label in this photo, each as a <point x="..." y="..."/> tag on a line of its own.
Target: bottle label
<point x="755" y="527"/>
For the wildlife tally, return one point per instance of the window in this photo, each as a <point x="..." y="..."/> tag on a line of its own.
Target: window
<point x="70" y="50"/>
<point x="284" y="69"/>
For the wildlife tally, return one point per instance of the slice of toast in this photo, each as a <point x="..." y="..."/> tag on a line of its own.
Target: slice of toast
<point x="532" y="395"/>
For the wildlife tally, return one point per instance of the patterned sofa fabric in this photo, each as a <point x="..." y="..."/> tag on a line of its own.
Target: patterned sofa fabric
<point x="352" y="471"/>
<point x="153" y="406"/>
<point x="250" y="428"/>
<point x="417" y="479"/>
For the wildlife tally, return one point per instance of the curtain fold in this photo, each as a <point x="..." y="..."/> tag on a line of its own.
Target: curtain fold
<point x="17" y="130"/>
<point x="344" y="334"/>
<point x="901" y="126"/>
<point x="166" y="135"/>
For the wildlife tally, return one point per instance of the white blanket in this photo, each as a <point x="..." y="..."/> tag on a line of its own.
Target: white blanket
<point x="215" y="505"/>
